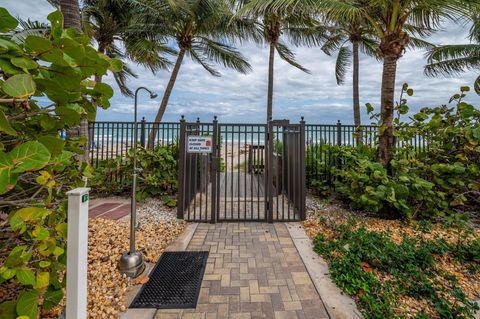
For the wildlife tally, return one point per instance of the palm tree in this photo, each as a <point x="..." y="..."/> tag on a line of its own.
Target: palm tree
<point x="71" y="14"/>
<point x="293" y="21"/>
<point x="393" y="21"/>
<point x="110" y="23"/>
<point x="360" y="37"/>
<point x="455" y="59"/>
<point x="71" y="19"/>
<point x="200" y="28"/>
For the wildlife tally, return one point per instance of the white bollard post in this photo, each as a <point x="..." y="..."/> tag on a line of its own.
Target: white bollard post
<point x="77" y="253"/>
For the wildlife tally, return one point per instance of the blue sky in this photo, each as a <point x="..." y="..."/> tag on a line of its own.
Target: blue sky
<point x="242" y="98"/>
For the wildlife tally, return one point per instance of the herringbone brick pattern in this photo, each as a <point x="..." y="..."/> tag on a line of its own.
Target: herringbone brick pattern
<point x="253" y="271"/>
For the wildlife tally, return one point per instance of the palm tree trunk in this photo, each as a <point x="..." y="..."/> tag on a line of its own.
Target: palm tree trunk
<point x="71" y="19"/>
<point x="166" y="97"/>
<point x="386" y="137"/>
<point x="356" y="96"/>
<point x="71" y="14"/>
<point x="271" y="64"/>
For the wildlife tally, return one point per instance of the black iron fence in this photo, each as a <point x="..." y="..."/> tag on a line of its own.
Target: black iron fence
<point x="111" y="140"/>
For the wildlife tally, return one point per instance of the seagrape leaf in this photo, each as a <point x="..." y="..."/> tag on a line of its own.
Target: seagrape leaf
<point x="56" y="22"/>
<point x="71" y="117"/>
<point x="116" y="65"/>
<point x="104" y="89"/>
<point x="55" y="56"/>
<point x="30" y="213"/>
<point x="52" y="298"/>
<point x="24" y="63"/>
<point x="10" y="47"/>
<point x="5" y="125"/>
<point x="8" y="68"/>
<point x="53" y="143"/>
<point x="43" y="280"/>
<point x="7" y="309"/>
<point x="29" y="156"/>
<point x="7" y="22"/>
<point x="8" y="179"/>
<point x="27" y="304"/>
<point x="25" y="276"/>
<point x="37" y="45"/>
<point x="19" y="86"/>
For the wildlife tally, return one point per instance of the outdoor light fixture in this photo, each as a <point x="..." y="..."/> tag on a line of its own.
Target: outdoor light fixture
<point x="131" y="263"/>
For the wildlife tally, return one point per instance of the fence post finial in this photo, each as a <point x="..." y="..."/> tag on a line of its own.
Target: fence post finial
<point x="182" y="118"/>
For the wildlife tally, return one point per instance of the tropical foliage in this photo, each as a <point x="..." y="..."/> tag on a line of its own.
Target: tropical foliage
<point x="457" y="58"/>
<point x="342" y="33"/>
<point x="111" y="23"/>
<point x="157" y="176"/>
<point x="45" y="89"/>
<point x="391" y="275"/>
<point x="199" y="28"/>
<point x="440" y="181"/>
<point x="294" y="22"/>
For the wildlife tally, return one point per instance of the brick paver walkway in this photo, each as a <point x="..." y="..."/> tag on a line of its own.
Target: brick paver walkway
<point x="109" y="209"/>
<point x="253" y="271"/>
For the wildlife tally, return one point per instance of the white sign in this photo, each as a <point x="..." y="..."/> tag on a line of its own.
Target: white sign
<point x="199" y="144"/>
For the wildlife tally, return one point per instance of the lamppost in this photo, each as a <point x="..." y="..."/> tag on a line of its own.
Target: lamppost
<point x="131" y="263"/>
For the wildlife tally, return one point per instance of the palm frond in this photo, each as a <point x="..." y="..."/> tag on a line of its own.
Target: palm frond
<point x="453" y="59"/>
<point x="148" y="53"/>
<point x="223" y="54"/>
<point x="334" y="43"/>
<point x="343" y="62"/>
<point x="368" y="46"/>
<point x="476" y="85"/>
<point x="417" y="43"/>
<point x="29" y="27"/>
<point x="203" y="61"/>
<point x="288" y="56"/>
<point x="121" y="79"/>
<point x="307" y="36"/>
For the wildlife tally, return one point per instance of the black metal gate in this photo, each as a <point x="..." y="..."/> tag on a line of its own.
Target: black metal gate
<point x="255" y="172"/>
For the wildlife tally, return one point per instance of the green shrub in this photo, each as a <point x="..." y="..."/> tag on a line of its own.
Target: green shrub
<point x="367" y="185"/>
<point x="356" y="256"/>
<point x="157" y="178"/>
<point x="440" y="180"/>
<point x="37" y="167"/>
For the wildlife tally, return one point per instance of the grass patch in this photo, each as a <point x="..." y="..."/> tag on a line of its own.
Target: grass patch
<point x="420" y="273"/>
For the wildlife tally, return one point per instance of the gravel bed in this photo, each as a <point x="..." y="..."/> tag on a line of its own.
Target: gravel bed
<point x="153" y="209"/>
<point x="108" y="240"/>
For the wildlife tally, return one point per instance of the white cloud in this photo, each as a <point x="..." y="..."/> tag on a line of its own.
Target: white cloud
<point x="242" y="98"/>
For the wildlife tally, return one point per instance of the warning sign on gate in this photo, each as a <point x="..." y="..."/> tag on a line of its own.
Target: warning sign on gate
<point x="199" y="144"/>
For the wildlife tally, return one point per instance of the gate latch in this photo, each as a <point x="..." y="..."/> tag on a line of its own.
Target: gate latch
<point x="216" y="163"/>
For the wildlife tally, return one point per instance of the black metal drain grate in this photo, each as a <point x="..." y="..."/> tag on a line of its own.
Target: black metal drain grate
<point x="174" y="282"/>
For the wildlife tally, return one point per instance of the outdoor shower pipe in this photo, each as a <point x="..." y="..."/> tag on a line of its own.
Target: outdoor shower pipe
<point x="133" y="217"/>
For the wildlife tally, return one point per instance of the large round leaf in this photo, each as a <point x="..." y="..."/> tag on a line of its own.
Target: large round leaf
<point x="7" y="22"/>
<point x="29" y="156"/>
<point x="37" y="45"/>
<point x="19" y="86"/>
<point x="5" y="125"/>
<point x="8" y="179"/>
<point x="27" y="304"/>
<point x="24" y="63"/>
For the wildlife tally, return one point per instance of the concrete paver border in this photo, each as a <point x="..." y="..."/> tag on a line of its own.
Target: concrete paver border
<point x="338" y="305"/>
